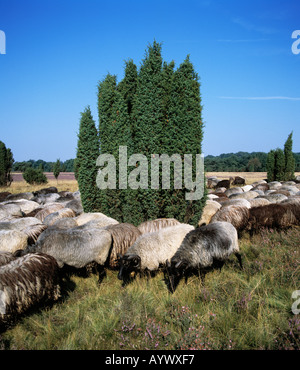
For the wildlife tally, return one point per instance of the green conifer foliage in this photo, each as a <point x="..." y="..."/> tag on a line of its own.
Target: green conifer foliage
<point x="289" y="158"/>
<point x="6" y="163"/>
<point x="87" y="154"/>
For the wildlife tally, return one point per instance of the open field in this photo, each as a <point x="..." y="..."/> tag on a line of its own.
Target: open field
<point x="66" y="182"/>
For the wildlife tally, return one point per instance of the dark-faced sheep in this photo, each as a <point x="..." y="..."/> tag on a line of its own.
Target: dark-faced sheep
<point x="123" y="236"/>
<point x="27" y="281"/>
<point x="151" y="250"/>
<point x="203" y="248"/>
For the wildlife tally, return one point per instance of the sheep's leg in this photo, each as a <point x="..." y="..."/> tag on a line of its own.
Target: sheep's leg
<point x="239" y="257"/>
<point x="101" y="273"/>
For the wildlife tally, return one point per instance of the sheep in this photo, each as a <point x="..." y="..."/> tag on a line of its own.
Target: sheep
<point x="47" y="210"/>
<point x="236" y="202"/>
<point x="212" y="182"/>
<point x="247" y="195"/>
<point x="46" y="198"/>
<point x="274" y="197"/>
<point x="25" y="205"/>
<point x="202" y="249"/>
<point x="26" y="196"/>
<point x="151" y="250"/>
<point x="27" y="281"/>
<point x="75" y="205"/>
<point x="51" y="189"/>
<point x="210" y="209"/>
<point x="6" y="257"/>
<point x="61" y="213"/>
<point x="77" y="247"/>
<point x="31" y="226"/>
<point x="246" y="188"/>
<point x="224" y="183"/>
<point x="4" y="195"/>
<point x="238" y="180"/>
<point x="258" y="202"/>
<point x="123" y="236"/>
<point x="234" y="190"/>
<point x="155" y="225"/>
<point x="274" y="215"/>
<point x="10" y="211"/>
<point x="238" y="216"/>
<point x="12" y="240"/>
<point x="102" y="219"/>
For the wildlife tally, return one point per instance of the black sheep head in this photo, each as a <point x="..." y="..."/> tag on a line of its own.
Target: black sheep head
<point x="128" y="264"/>
<point x="174" y="272"/>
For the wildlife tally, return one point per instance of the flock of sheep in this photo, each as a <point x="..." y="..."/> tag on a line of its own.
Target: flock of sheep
<point x="43" y="231"/>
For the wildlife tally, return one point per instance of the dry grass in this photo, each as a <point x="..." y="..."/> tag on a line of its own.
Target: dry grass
<point x="23" y="186"/>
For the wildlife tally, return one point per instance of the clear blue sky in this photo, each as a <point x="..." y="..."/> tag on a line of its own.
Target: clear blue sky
<point x="58" y="50"/>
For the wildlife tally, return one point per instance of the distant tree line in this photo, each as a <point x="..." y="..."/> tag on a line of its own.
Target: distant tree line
<point x="242" y="162"/>
<point x="66" y="166"/>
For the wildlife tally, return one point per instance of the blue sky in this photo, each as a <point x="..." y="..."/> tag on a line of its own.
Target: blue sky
<point x="57" y="51"/>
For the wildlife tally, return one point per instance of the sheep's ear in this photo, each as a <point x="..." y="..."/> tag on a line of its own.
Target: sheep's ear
<point x="168" y="264"/>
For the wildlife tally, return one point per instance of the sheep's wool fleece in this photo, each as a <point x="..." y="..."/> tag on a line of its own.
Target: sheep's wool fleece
<point x="217" y="240"/>
<point x="157" y="247"/>
<point x="75" y="247"/>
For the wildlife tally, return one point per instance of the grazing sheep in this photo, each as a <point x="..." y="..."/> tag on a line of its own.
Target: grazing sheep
<point x="47" y="210"/>
<point x="26" y="206"/>
<point x="155" y="225"/>
<point x="264" y="187"/>
<point x="152" y="250"/>
<point x="274" y="197"/>
<point x="26" y="196"/>
<point x="248" y="195"/>
<point x="235" y="190"/>
<point x="76" y="247"/>
<point x="61" y="213"/>
<point x="202" y="249"/>
<point x="236" y="202"/>
<point x="51" y="189"/>
<point x="6" y="257"/>
<point x="212" y="182"/>
<point x="46" y="198"/>
<point x="76" y="206"/>
<point x="65" y="223"/>
<point x="4" y="195"/>
<point x="224" y="183"/>
<point x="123" y="236"/>
<point x="27" y="281"/>
<point x="238" y="180"/>
<point x="256" y="202"/>
<point x="9" y="211"/>
<point x="274" y="215"/>
<point x="238" y="216"/>
<point x="12" y="240"/>
<point x="102" y="219"/>
<point x="31" y="226"/>
<point x="247" y="188"/>
<point x="210" y="209"/>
